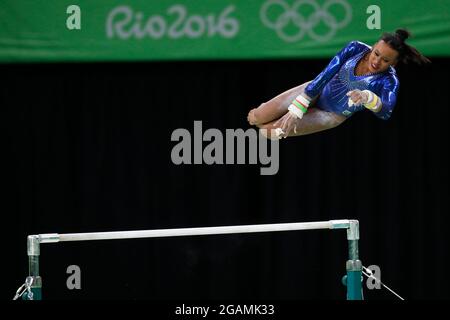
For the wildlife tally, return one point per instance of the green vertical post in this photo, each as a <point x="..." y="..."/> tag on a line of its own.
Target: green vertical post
<point x="33" y="249"/>
<point x="353" y="265"/>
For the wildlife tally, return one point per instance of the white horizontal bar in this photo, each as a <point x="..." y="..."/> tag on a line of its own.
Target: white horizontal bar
<point x="332" y="224"/>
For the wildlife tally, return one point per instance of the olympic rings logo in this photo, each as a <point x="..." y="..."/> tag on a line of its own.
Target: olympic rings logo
<point x="305" y="24"/>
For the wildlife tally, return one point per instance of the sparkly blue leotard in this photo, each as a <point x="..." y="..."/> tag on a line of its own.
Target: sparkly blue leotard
<point x="339" y="77"/>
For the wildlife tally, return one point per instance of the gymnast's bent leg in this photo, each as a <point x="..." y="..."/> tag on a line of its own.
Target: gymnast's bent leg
<point x="276" y="107"/>
<point x="314" y="120"/>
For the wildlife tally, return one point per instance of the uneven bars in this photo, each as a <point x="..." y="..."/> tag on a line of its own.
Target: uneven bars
<point x="353" y="265"/>
<point x="159" y="233"/>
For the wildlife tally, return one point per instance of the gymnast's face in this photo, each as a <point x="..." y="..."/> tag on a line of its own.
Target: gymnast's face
<point x="381" y="57"/>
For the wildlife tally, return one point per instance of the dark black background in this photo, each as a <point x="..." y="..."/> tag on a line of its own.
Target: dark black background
<point x="88" y="149"/>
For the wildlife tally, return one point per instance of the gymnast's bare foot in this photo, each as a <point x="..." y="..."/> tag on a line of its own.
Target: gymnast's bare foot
<point x="251" y="118"/>
<point x="270" y="134"/>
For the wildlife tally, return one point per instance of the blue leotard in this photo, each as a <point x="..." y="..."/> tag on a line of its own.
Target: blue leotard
<point x="339" y="77"/>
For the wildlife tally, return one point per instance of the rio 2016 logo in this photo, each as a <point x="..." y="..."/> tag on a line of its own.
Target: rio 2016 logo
<point x="124" y="23"/>
<point x="292" y="23"/>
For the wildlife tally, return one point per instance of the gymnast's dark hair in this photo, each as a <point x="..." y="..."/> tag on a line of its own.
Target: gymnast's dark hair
<point x="406" y="53"/>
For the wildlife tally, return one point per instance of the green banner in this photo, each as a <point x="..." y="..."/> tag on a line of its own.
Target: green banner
<point x="126" y="30"/>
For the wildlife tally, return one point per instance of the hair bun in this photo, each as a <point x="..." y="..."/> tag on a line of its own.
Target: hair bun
<point x="403" y="34"/>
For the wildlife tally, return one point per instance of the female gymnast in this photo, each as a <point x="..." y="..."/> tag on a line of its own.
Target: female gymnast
<point x="359" y="77"/>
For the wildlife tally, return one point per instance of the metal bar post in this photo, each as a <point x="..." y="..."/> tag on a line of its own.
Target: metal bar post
<point x="353" y="265"/>
<point x="33" y="249"/>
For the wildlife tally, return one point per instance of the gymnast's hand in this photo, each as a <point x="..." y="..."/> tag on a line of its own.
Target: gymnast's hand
<point x="287" y="124"/>
<point x="366" y="98"/>
<point x="296" y="110"/>
<point x="357" y="98"/>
